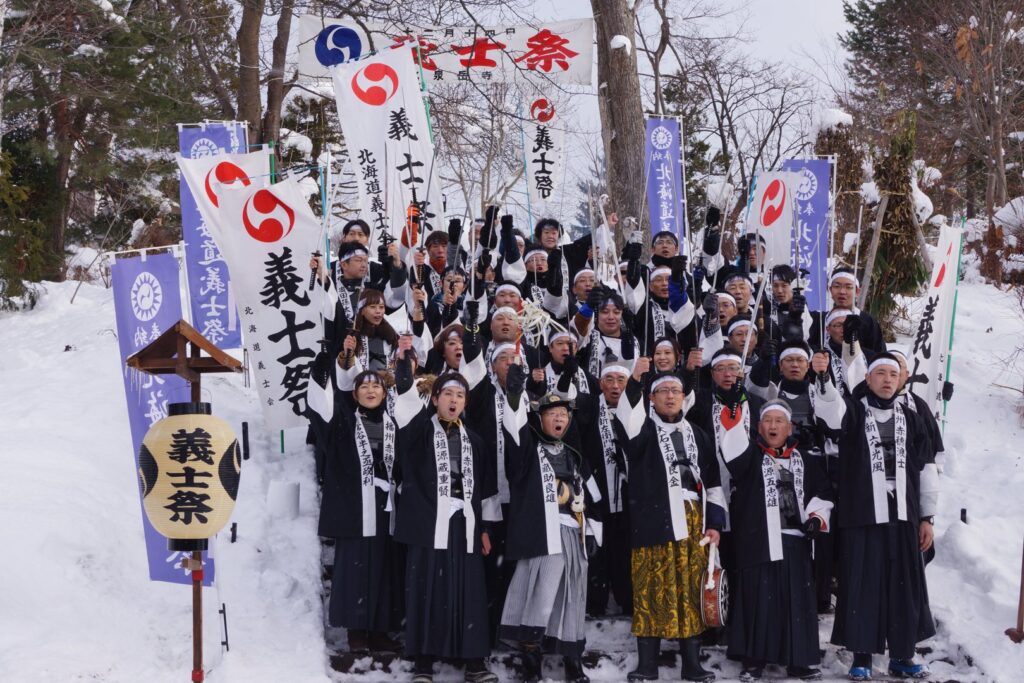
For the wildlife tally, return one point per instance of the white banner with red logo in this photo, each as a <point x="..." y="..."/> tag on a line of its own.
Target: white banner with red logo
<point x="266" y="235"/>
<point x="543" y="153"/>
<point x="385" y="126"/>
<point x="771" y="214"/>
<point x="930" y="352"/>
<point x="558" y="51"/>
<point x="209" y="176"/>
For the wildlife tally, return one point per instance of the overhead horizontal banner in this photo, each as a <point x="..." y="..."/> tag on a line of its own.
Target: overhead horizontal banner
<point x="209" y="284"/>
<point x="387" y="132"/>
<point x="813" y="222"/>
<point x="931" y="340"/>
<point x="147" y="302"/>
<point x="267" y="235"/>
<point x="559" y="51"/>
<point x="544" y="153"/>
<point x="664" y="167"/>
<point x="771" y="214"/>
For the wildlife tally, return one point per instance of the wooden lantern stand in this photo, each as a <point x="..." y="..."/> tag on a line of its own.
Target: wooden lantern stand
<point x="179" y="351"/>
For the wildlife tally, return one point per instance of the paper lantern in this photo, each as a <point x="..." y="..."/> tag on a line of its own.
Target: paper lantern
<point x="189" y="466"/>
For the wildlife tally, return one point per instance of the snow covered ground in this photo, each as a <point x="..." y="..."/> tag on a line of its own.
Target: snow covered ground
<point x="76" y="603"/>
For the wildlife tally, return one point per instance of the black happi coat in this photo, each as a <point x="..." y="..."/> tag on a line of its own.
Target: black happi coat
<point x="843" y="419"/>
<point x="649" y="504"/>
<point x="416" y="473"/>
<point x="870" y="334"/>
<point x="586" y="418"/>
<point x="747" y="508"/>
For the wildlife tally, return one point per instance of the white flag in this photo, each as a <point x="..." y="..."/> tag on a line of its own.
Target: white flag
<point x="771" y="214"/>
<point x="544" y="153"/>
<point x="556" y="52"/>
<point x="208" y="176"/>
<point x="385" y="125"/>
<point x="931" y="341"/>
<point x="267" y="235"/>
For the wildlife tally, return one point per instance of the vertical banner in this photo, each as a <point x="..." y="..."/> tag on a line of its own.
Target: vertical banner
<point x="814" y="224"/>
<point x="147" y="302"/>
<point x="385" y="124"/>
<point x="931" y="340"/>
<point x="543" y="153"/>
<point x="772" y="216"/>
<point x="666" y="202"/>
<point x="212" y="299"/>
<point x="267" y="237"/>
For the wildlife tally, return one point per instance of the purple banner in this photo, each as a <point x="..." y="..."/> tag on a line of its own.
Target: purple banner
<point x="212" y="302"/>
<point x="147" y="301"/>
<point x="662" y="160"/>
<point x="814" y="225"/>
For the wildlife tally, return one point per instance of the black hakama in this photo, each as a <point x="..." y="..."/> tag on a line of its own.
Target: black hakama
<point x="368" y="581"/>
<point x="772" y="616"/>
<point x="446" y="599"/>
<point x="883" y="597"/>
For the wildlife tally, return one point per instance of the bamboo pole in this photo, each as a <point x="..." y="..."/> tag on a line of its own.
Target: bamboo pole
<point x="869" y="265"/>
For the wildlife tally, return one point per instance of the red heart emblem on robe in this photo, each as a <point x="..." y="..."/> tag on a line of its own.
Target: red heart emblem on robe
<point x="728" y="421"/>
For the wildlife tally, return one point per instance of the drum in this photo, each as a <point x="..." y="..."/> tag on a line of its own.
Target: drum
<point x="714" y="604"/>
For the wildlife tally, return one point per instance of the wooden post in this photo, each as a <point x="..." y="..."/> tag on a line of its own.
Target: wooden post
<point x="1017" y="634"/>
<point x="869" y="264"/>
<point x="196" y="565"/>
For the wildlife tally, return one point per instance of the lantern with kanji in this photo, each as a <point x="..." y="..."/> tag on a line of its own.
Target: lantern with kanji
<point x="189" y="466"/>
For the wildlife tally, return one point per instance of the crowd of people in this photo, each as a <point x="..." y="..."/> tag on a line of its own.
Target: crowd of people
<point x="492" y="482"/>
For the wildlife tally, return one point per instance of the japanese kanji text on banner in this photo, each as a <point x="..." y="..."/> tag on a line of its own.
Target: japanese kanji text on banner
<point x="664" y="172"/>
<point x="814" y="223"/>
<point x="385" y="124"/>
<point x="560" y="51"/>
<point x="544" y="152"/>
<point x="267" y="236"/>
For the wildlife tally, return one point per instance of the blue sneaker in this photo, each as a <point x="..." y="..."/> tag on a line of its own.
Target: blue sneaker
<point x="860" y="673"/>
<point x="908" y="669"/>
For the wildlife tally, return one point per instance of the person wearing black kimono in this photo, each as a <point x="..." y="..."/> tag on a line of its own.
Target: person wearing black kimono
<point x="844" y="289"/>
<point x="884" y="510"/>
<point x="781" y="500"/>
<point x="443" y="477"/>
<point x="552" y="522"/>
<point x="356" y="506"/>
<point x="676" y="508"/>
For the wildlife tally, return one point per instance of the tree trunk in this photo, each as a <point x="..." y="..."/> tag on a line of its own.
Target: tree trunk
<point x="275" y="83"/>
<point x="869" y="261"/>
<point x="622" y="116"/>
<point x="248" y="39"/>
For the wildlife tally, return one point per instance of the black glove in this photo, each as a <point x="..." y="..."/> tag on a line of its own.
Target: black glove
<point x="383" y="256"/>
<point x="812" y="527"/>
<point x="771" y="350"/>
<point x="570" y="365"/>
<point x="628" y="345"/>
<point x="454" y="231"/>
<point x="947" y="391"/>
<point x="515" y="381"/>
<point x="851" y="328"/>
<point x="595" y="297"/>
<point x="733" y="396"/>
<point x="321" y="371"/>
<point x="509" y="248"/>
<point x="484" y="262"/>
<point x="743" y="249"/>
<point x="554" y="274"/>
<point x="798" y="305"/>
<point x="712" y="217"/>
<point x="632" y="251"/>
<point x="679" y="269"/>
<point x="472" y="312"/>
<point x="710" y="305"/>
<point x="712" y="241"/>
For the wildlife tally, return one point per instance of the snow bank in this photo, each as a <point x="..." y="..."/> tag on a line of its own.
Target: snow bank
<point x="87" y="50"/>
<point x="289" y="139"/>
<point x="1011" y="216"/>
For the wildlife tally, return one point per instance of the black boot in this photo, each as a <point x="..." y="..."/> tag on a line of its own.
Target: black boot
<point x="647" y="660"/>
<point x="423" y="670"/>
<point x="476" y="672"/>
<point x="532" y="658"/>
<point x="689" y="648"/>
<point x="574" y="670"/>
<point x="358" y="640"/>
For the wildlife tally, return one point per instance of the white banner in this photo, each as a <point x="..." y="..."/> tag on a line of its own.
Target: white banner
<point x="208" y="176"/>
<point x="267" y="235"/>
<point x="388" y="136"/>
<point x="544" y="153"/>
<point x="930" y="351"/>
<point x="771" y="214"/>
<point x="558" y="51"/>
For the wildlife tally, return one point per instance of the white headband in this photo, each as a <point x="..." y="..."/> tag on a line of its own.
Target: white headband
<point x="728" y="296"/>
<point x="452" y="383"/>
<point x="794" y="351"/>
<point x="777" y="407"/>
<point x="664" y="342"/>
<point x="585" y="271"/>
<point x="454" y="334"/>
<point x="844" y="275"/>
<point x="504" y="310"/>
<point x="836" y="314"/>
<point x="508" y="288"/>
<point x="613" y="369"/>
<point x="897" y="352"/>
<point x="724" y="358"/>
<point x="561" y="334"/>
<point x="354" y="253"/>
<point x="535" y="252"/>
<point x="736" y="278"/>
<point x="500" y="348"/>
<point x="884" y="362"/>
<point x="660" y="270"/>
<point x="738" y="324"/>
<point x="667" y="378"/>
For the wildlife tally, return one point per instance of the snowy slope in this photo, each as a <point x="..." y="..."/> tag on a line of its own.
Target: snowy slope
<point x="76" y="603"/>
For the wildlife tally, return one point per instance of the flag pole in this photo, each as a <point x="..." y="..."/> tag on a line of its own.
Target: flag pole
<point x="952" y="323"/>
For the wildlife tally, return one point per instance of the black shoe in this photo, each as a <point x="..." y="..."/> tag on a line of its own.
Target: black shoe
<point x="423" y="670"/>
<point x="382" y="642"/>
<point x="574" y="670"/>
<point x="476" y="672"/>
<point x="531" y="669"/>
<point x="358" y="640"/>
<point x="647" y="660"/>
<point x="803" y="673"/>
<point x="689" y="648"/>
